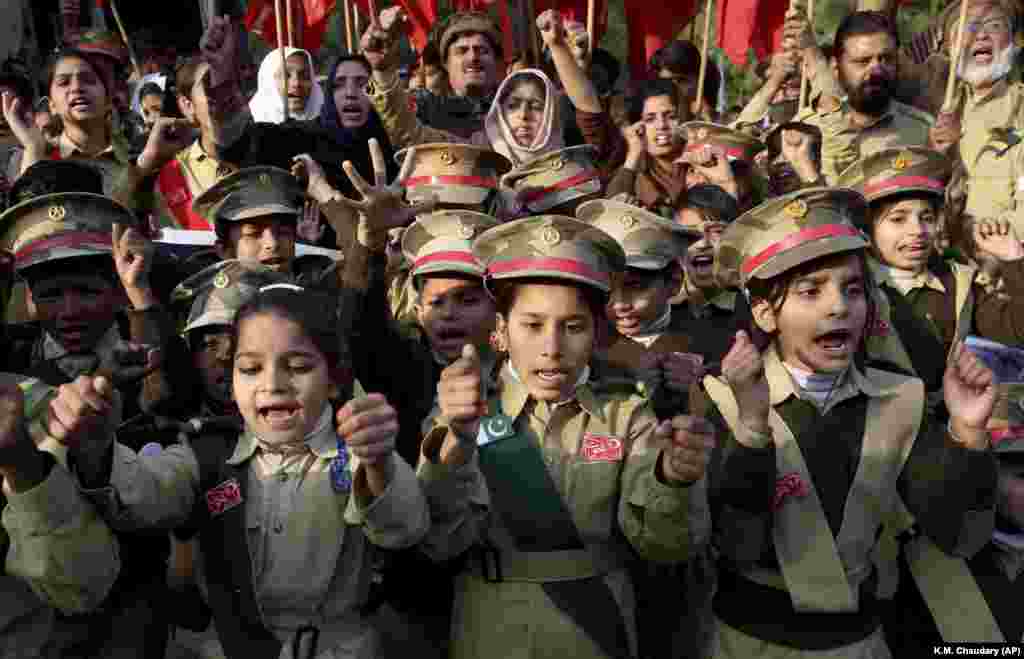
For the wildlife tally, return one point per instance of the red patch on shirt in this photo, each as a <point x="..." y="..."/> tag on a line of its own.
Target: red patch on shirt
<point x="412" y="104"/>
<point x="597" y="448"/>
<point x="224" y="497"/>
<point x="790" y="485"/>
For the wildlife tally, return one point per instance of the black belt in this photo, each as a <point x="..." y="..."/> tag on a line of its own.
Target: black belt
<point x="767" y="614"/>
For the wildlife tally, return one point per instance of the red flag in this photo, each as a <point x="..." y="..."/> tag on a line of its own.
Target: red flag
<point x="651" y="26"/>
<point x="309" y="16"/>
<point x="421" y="14"/>
<point x="745" y="24"/>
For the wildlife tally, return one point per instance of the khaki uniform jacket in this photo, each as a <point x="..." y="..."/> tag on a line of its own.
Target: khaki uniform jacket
<point x="992" y="153"/>
<point x="843" y="144"/>
<point x="804" y="551"/>
<point x="309" y="545"/>
<point x="607" y="500"/>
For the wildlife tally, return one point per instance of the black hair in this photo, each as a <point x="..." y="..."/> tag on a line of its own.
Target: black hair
<point x="861" y="23"/>
<point x="88" y="58"/>
<point x="875" y="207"/>
<point x="419" y="280"/>
<point x="650" y="89"/>
<point x="505" y="293"/>
<point x="151" y="89"/>
<point x="20" y="81"/>
<point x="315" y="312"/>
<point x="714" y="203"/>
<point x="223" y="227"/>
<point x="682" y="58"/>
<point x="360" y="59"/>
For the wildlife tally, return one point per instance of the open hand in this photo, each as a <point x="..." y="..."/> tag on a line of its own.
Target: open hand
<point x="970" y="393"/>
<point x="998" y="238"/>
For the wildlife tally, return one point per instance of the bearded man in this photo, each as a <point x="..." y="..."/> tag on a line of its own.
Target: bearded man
<point x="868" y="119"/>
<point x="988" y="115"/>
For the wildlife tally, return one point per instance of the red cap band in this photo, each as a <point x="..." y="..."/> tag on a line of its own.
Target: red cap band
<point x="732" y="152"/>
<point x="476" y="181"/>
<point x="568" y="266"/>
<point x="452" y="255"/>
<point x="70" y="239"/>
<point x="905" y="182"/>
<point x="540" y="193"/>
<point x="795" y="240"/>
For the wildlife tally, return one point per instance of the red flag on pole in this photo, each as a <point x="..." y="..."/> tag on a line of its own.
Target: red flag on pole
<point x="745" y="24"/>
<point x="651" y="25"/>
<point x="311" y="21"/>
<point x="421" y="14"/>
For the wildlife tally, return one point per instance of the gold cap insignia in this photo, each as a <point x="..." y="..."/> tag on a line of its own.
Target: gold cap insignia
<point x="447" y="158"/>
<point x="558" y="164"/>
<point x="701" y="134"/>
<point x="550" y="236"/>
<point x="628" y="221"/>
<point x="57" y="213"/>
<point x="902" y="161"/>
<point x="221" y="280"/>
<point x="265" y="180"/>
<point x="797" y="210"/>
<point x="466" y="231"/>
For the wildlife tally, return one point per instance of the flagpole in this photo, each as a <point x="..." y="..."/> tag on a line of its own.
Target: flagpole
<point x="347" y="8"/>
<point x="591" y="39"/>
<point x="531" y="23"/>
<point x="804" y="81"/>
<point x="698" y="104"/>
<point x="127" y="43"/>
<point x="279" y="18"/>
<point x="954" y="60"/>
<point x="288" y="23"/>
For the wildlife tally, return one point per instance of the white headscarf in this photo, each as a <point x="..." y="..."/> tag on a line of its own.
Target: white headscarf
<point x="267" y="106"/>
<point x="549" y="137"/>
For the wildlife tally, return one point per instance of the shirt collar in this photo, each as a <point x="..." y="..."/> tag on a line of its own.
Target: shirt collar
<point x="782" y="387"/>
<point x="926" y="279"/>
<point x="514" y="394"/>
<point x="322" y="442"/>
<point x="69" y="150"/>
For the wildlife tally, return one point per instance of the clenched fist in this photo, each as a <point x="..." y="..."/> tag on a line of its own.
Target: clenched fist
<point x="743" y="370"/>
<point x="687" y="442"/>
<point x="460" y="397"/>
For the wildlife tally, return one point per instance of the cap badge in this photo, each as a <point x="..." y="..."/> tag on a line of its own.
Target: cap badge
<point x="466" y="231"/>
<point x="628" y="222"/>
<point x="701" y="134"/>
<point x="558" y="164"/>
<point x="902" y="161"/>
<point x="57" y="213"/>
<point x="221" y="280"/>
<point x="265" y="179"/>
<point x="447" y="158"/>
<point x="550" y="236"/>
<point x="797" y="210"/>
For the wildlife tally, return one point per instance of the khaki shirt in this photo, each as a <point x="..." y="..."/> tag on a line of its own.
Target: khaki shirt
<point x="992" y="154"/>
<point x="59" y="546"/>
<point x="311" y="561"/>
<point x="404" y="129"/>
<point x="844" y="144"/>
<point x="662" y="522"/>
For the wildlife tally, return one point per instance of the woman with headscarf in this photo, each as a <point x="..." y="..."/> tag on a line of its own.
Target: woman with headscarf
<point x="304" y="96"/>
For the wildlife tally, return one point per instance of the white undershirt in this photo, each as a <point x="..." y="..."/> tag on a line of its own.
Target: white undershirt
<point x="814" y="387"/>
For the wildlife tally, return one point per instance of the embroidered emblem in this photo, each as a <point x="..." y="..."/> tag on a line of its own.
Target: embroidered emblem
<point x="224" y="497"/>
<point x="797" y="211"/>
<point x="341" y="477"/>
<point x="221" y="280"/>
<point x="494" y="428"/>
<point x="550" y="236"/>
<point x="902" y="161"/>
<point x="628" y="222"/>
<point x="265" y="180"/>
<point x="466" y="231"/>
<point x="413" y="106"/>
<point x="790" y="485"/>
<point x="447" y="158"/>
<point x="599" y="448"/>
<point x="57" y="213"/>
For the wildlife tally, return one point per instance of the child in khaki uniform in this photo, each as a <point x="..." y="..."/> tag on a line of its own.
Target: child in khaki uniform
<point x="932" y="303"/>
<point x="553" y="473"/>
<point x="821" y="449"/>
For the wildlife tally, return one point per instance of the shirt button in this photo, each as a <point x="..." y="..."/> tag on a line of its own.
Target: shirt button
<point x="283" y="477"/>
<point x="278" y="527"/>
